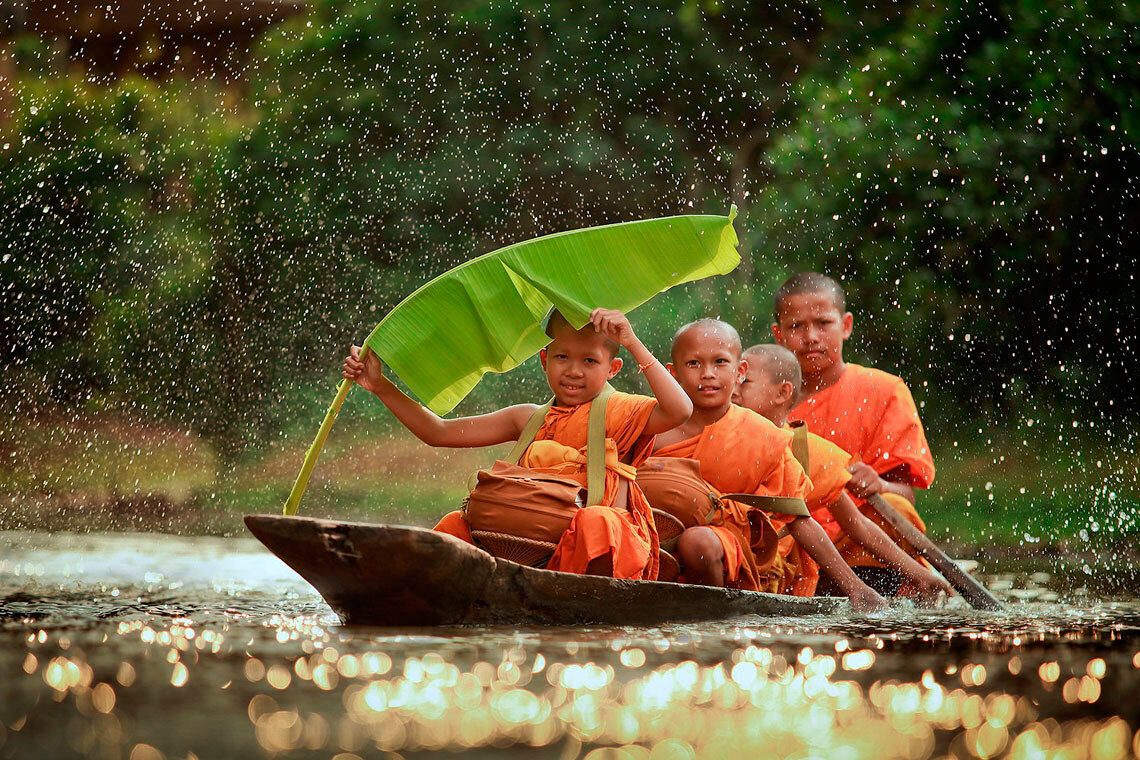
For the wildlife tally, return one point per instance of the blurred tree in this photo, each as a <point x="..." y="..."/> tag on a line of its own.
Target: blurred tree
<point x="105" y="198"/>
<point x="968" y="170"/>
<point x="973" y="179"/>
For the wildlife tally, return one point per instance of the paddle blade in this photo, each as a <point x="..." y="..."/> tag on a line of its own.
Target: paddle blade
<point x="965" y="584"/>
<point x="487" y="314"/>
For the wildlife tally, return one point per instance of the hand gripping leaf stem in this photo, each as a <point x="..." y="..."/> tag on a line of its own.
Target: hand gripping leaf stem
<point x="486" y="315"/>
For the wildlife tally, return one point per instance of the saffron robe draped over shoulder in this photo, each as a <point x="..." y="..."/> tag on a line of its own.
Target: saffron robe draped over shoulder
<point x="628" y="534"/>
<point x="827" y="469"/>
<point x="872" y="415"/>
<point x="743" y="452"/>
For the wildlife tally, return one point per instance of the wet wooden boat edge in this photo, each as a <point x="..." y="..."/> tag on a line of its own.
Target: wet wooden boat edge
<point x="393" y="575"/>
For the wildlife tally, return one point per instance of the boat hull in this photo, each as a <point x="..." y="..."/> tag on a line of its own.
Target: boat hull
<point x="391" y="575"/>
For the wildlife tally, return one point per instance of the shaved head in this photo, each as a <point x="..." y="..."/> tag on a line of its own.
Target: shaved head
<point x="809" y="282"/>
<point x="777" y="362"/>
<point x="710" y="326"/>
<point x="556" y="323"/>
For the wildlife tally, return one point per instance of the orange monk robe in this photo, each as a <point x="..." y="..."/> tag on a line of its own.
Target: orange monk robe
<point x="827" y="470"/>
<point x="628" y="534"/>
<point x="743" y="452"/>
<point x="872" y="415"/>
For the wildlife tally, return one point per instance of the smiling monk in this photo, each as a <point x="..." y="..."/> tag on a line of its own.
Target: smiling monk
<point x="866" y="412"/>
<point x="609" y="537"/>
<point x="739" y="452"/>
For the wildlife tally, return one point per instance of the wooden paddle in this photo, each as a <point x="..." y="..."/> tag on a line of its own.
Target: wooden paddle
<point x="973" y="592"/>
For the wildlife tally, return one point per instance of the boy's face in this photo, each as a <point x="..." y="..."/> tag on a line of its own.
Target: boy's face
<point x="813" y="329"/>
<point x="578" y="365"/>
<point x="707" y="365"/>
<point x="760" y="393"/>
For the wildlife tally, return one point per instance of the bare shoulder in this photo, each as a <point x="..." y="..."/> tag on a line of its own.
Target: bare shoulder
<point x="520" y="413"/>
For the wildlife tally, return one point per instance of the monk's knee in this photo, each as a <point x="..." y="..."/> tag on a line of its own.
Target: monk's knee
<point x="699" y="547"/>
<point x="454" y="524"/>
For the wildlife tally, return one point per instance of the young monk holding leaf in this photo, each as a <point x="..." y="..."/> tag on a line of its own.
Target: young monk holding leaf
<point x="770" y="387"/>
<point x="864" y="411"/>
<point x="739" y="452"/>
<point x="605" y="538"/>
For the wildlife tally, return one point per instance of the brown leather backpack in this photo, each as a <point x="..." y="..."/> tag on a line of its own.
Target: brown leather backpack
<point x="675" y="485"/>
<point x="521" y="502"/>
<point x="518" y="501"/>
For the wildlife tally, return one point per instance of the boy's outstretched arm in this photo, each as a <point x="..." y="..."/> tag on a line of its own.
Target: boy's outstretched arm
<point x="808" y="534"/>
<point x="461" y="432"/>
<point x="870" y="536"/>
<point x="674" y="407"/>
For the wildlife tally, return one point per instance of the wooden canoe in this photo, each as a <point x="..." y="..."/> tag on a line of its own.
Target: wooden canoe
<point x="390" y="575"/>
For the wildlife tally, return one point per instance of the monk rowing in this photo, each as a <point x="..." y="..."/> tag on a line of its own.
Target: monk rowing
<point x="740" y="452"/>
<point x="606" y="538"/>
<point x="866" y="412"/>
<point x="770" y="388"/>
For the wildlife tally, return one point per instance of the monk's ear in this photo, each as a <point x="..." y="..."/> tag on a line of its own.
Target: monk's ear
<point x="672" y="370"/>
<point x="777" y="333"/>
<point x="542" y="358"/>
<point x="615" y="367"/>
<point x="787" y="393"/>
<point x="741" y="371"/>
<point x="848" y="323"/>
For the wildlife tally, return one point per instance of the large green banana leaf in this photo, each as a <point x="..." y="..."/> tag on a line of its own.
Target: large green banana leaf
<point x="487" y="314"/>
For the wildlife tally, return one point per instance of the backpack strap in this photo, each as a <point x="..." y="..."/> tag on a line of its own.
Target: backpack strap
<point x="800" y="444"/>
<point x="529" y="431"/>
<point x="596" y="446"/>
<point x="784" y="505"/>
<point x="714" y="501"/>
<point x="595" y="443"/>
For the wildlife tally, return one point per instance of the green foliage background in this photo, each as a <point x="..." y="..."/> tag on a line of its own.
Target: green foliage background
<point x="969" y="169"/>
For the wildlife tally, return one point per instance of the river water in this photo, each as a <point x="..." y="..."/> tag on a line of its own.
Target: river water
<point x="146" y="646"/>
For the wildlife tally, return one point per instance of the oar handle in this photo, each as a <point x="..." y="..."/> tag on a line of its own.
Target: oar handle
<point x="314" y="451"/>
<point x="973" y="592"/>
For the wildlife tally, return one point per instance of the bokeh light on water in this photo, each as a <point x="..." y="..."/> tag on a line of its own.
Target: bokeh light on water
<point x="170" y="647"/>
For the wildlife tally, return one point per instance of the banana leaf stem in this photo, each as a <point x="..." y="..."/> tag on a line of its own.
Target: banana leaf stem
<point x="314" y="451"/>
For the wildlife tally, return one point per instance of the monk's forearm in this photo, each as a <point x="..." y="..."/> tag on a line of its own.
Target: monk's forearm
<point x="871" y="537"/>
<point x="808" y="534"/>
<point x="421" y="421"/>
<point x="899" y="489"/>
<point x="457" y="433"/>
<point x="674" y="407"/>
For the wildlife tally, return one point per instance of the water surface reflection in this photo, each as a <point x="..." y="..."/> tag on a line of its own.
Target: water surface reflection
<point x="145" y="646"/>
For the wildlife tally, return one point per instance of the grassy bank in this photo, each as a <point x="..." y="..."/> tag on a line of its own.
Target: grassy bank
<point x="110" y="472"/>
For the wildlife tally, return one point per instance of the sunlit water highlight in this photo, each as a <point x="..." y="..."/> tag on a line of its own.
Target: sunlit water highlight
<point x="141" y="646"/>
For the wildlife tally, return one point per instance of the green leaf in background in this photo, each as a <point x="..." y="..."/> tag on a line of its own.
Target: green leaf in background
<point x="486" y="315"/>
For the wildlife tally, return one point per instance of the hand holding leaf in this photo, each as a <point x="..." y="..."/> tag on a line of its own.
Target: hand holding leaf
<point x="367" y="373"/>
<point x="614" y="325"/>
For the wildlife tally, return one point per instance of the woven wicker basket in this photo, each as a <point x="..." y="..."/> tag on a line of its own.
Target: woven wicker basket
<point x="525" y="551"/>
<point x="668" y="529"/>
